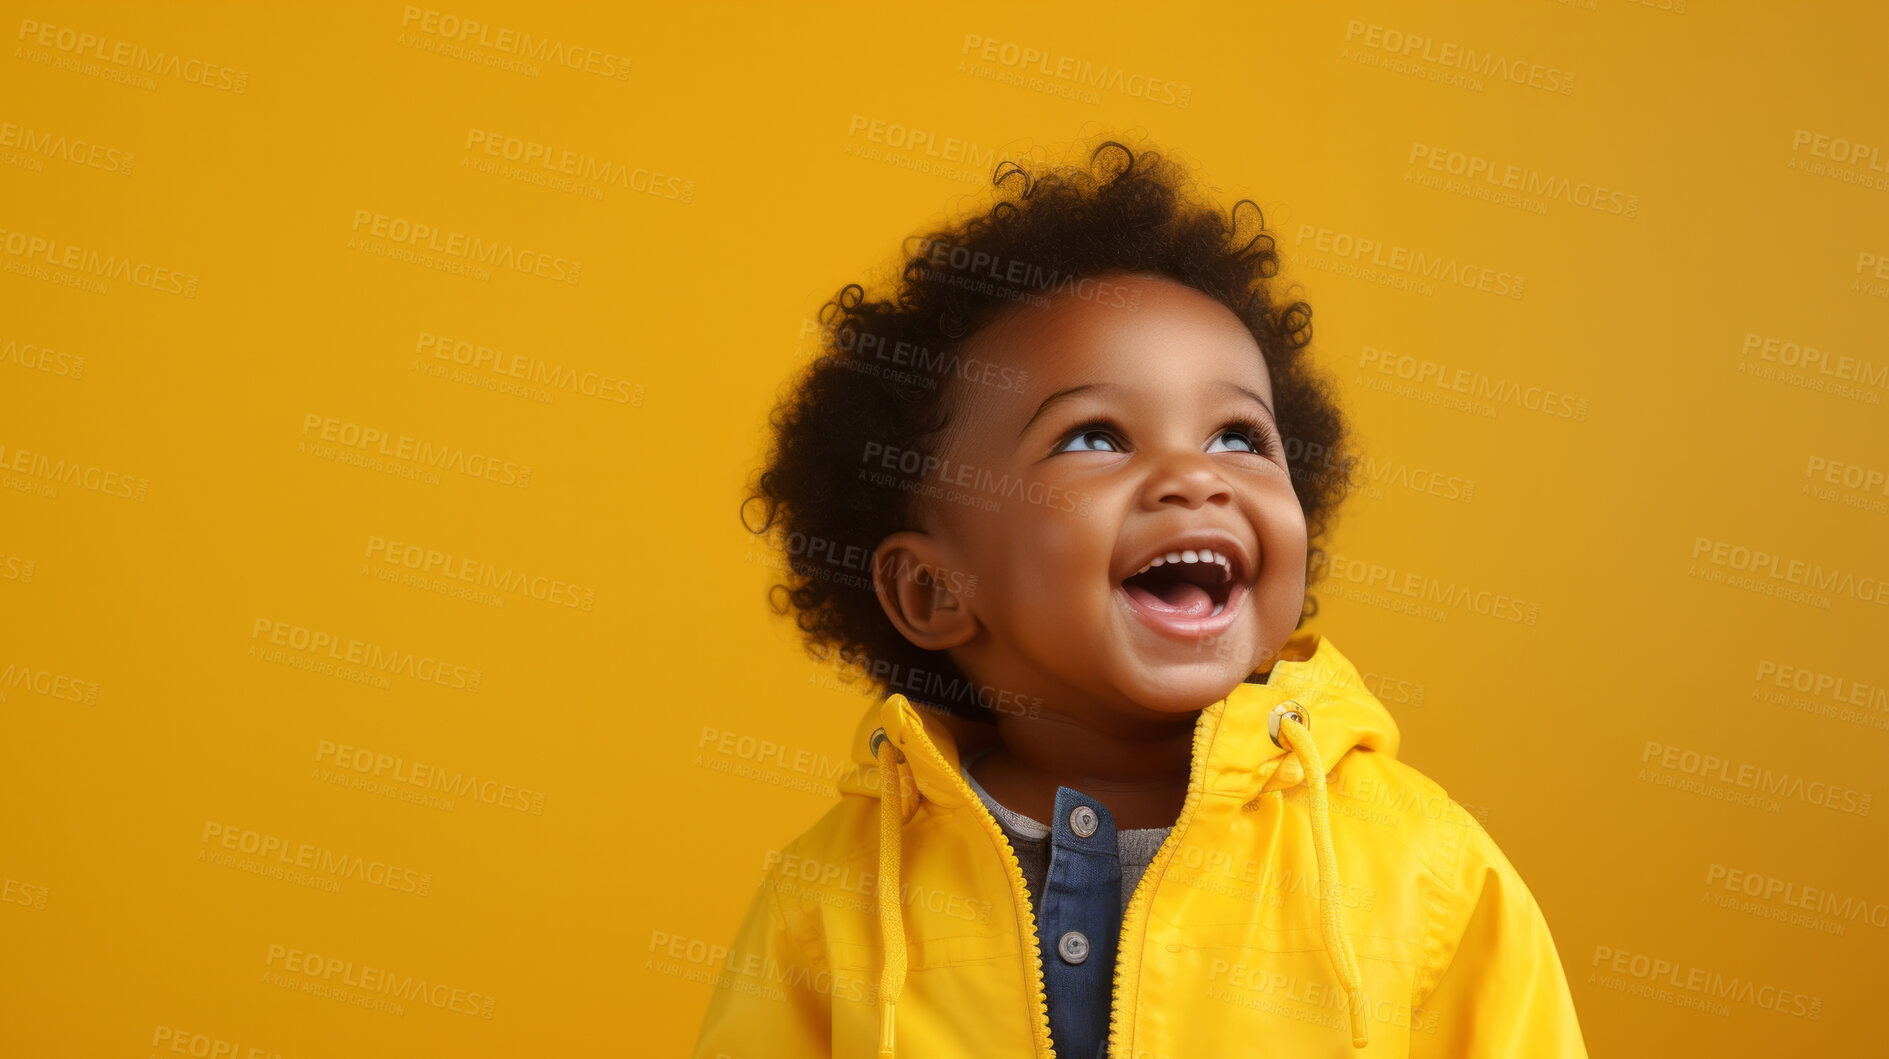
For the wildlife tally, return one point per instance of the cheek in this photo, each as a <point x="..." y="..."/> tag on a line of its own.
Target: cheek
<point x="1283" y="542"/>
<point x="1055" y="564"/>
<point x="1068" y="548"/>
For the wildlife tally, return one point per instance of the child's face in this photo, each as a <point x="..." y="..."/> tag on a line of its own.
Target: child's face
<point x="1082" y="506"/>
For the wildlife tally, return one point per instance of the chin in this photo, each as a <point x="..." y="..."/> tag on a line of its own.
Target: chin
<point x="1187" y="688"/>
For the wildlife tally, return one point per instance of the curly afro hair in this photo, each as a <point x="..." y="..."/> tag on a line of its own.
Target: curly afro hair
<point x="884" y="368"/>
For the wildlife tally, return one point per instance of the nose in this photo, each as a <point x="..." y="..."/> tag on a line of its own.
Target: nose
<point x="1186" y="479"/>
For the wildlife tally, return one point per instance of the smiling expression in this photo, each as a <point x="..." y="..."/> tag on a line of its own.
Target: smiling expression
<point x="1145" y="551"/>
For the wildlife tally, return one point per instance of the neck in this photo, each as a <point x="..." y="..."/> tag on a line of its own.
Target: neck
<point x="1138" y="769"/>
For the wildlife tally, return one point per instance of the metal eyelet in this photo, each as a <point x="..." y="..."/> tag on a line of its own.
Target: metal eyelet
<point x="1289" y="708"/>
<point x="878" y="736"/>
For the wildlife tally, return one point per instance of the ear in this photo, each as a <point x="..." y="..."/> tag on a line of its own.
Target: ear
<point x="926" y="598"/>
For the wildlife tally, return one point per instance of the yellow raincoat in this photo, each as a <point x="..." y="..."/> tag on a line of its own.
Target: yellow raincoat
<point x="1316" y="897"/>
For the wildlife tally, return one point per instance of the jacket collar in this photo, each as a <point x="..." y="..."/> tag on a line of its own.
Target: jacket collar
<point x="1234" y="751"/>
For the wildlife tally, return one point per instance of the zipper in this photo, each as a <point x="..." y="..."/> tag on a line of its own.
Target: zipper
<point x="1134" y="926"/>
<point x="1020" y="898"/>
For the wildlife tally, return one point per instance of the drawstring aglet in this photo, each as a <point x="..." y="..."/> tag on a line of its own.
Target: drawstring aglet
<point x="886" y="1008"/>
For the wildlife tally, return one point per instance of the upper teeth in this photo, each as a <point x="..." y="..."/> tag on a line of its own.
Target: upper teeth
<point x="1191" y="555"/>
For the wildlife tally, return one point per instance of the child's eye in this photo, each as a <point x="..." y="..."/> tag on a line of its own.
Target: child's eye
<point x="1257" y="435"/>
<point x="1089" y="431"/>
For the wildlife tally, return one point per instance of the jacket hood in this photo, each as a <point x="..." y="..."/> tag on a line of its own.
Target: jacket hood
<point x="1312" y="710"/>
<point x="1242" y="757"/>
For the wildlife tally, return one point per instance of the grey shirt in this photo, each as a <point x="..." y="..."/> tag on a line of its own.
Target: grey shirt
<point x="1030" y="839"/>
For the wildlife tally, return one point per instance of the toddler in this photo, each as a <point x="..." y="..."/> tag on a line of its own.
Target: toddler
<point x="1058" y="493"/>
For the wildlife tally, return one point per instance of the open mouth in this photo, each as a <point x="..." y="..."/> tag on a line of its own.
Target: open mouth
<point x="1192" y="584"/>
<point x="1187" y="593"/>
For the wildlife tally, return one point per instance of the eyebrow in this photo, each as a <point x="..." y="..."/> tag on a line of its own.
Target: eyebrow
<point x="1062" y="395"/>
<point x="1237" y="388"/>
<point x="1071" y="391"/>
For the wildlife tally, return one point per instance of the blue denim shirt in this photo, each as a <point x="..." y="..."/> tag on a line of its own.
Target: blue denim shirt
<point x="1078" y="904"/>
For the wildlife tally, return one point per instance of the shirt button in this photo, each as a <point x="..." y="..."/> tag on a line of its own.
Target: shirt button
<point x="1082" y="821"/>
<point x="1073" y="947"/>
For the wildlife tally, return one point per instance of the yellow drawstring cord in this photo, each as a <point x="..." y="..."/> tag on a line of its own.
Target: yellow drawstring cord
<point x="1299" y="741"/>
<point x="891" y="923"/>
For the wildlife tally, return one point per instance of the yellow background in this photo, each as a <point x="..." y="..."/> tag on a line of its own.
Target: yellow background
<point x="143" y="706"/>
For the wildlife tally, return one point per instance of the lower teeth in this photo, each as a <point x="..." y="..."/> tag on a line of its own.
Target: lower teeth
<point x="1217" y="608"/>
